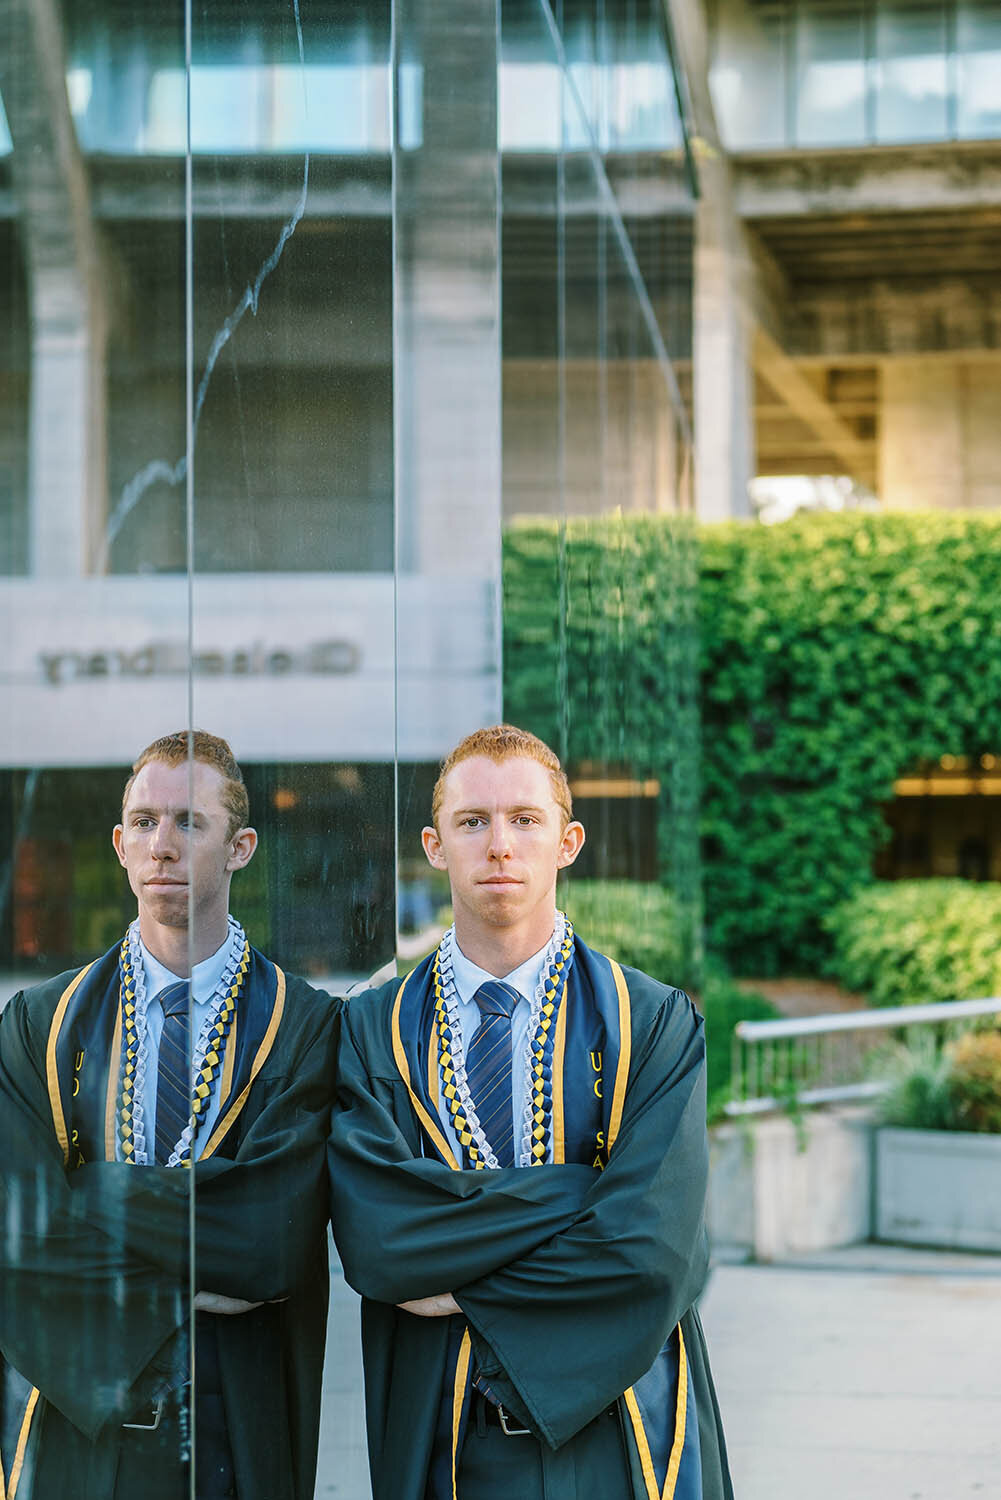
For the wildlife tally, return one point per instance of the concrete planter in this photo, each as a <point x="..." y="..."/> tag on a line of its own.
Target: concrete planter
<point x="938" y="1187"/>
<point x="776" y="1191"/>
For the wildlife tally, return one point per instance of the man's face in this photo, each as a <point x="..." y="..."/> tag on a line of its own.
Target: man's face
<point x="174" y="837"/>
<point x="501" y="838"/>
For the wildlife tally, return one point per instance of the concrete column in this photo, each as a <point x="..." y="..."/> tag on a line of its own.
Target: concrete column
<point x="67" y="434"/>
<point x="938" y="433"/>
<point x="722" y="378"/>
<point x="981" y="402"/>
<point x="921" y="462"/>
<point x="447" y="334"/>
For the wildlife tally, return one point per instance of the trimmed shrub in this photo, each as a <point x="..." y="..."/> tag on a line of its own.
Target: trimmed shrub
<point x="632" y="921"/>
<point x="913" y="942"/>
<point x="975" y="1081"/>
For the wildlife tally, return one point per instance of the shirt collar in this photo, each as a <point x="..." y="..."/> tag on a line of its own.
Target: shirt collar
<point x="205" y="976"/>
<point x="469" y="976"/>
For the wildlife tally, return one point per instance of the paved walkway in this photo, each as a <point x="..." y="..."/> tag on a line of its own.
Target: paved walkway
<point x="865" y="1374"/>
<point x="872" y="1373"/>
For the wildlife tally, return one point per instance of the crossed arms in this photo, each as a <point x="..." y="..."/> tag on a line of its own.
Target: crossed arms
<point x="570" y="1279"/>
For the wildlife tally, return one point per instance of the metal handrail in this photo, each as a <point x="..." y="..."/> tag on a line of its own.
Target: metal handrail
<point x="885" y="1018"/>
<point x="790" y="1070"/>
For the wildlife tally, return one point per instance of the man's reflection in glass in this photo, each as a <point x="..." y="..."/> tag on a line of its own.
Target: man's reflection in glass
<point x="182" y="1047"/>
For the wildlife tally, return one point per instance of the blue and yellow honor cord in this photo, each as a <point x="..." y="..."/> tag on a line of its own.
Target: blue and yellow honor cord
<point x="541" y="1062"/>
<point x="208" y="1072"/>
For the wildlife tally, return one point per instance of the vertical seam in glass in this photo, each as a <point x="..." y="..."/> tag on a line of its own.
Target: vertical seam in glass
<point x="189" y="517"/>
<point x="563" y="581"/>
<point x="499" y="273"/>
<point x="394" y="146"/>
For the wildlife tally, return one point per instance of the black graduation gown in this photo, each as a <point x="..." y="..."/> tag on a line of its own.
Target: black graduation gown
<point x="94" y="1253"/>
<point x="571" y="1278"/>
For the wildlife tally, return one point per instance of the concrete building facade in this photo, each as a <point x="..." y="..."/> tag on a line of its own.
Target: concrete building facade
<point x="853" y="221"/>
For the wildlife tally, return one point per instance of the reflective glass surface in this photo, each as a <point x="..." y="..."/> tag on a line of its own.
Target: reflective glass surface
<point x="326" y="328"/>
<point x="596" y="453"/>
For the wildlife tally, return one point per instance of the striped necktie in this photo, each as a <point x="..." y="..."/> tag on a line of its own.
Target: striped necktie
<point x="173" y="1071"/>
<point x="488" y="1067"/>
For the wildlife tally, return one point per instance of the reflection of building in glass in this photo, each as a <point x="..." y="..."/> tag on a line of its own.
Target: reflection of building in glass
<point x="266" y="402"/>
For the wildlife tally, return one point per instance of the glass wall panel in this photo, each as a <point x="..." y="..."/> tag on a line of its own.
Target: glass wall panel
<point x="978" y="48"/>
<point x="94" y="1281"/>
<point x="286" y="372"/>
<point x="911" y="73"/>
<point x="293" y="476"/>
<point x="294" y="641"/>
<point x="617" y="59"/>
<point x="830" y="76"/>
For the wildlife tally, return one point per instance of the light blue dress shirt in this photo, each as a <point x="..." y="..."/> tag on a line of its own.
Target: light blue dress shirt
<point x="468" y="978"/>
<point x="204" y="978"/>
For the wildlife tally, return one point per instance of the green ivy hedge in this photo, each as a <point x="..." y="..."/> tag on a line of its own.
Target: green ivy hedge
<point x="914" y="942"/>
<point x="835" y="652"/>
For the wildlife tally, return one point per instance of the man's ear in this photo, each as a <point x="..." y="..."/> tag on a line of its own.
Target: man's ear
<point x="433" y="849"/>
<point x="571" y="844"/>
<point x="242" y="846"/>
<point x="117" y="839"/>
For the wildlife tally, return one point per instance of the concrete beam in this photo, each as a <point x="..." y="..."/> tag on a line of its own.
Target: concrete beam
<point x="879" y="318"/>
<point x="67" y="456"/>
<point x="145" y="187"/>
<point x="899" y="179"/>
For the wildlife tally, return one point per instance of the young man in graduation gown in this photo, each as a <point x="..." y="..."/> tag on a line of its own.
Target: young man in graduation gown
<point x="181" y="1047"/>
<point x="519" y="1172"/>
